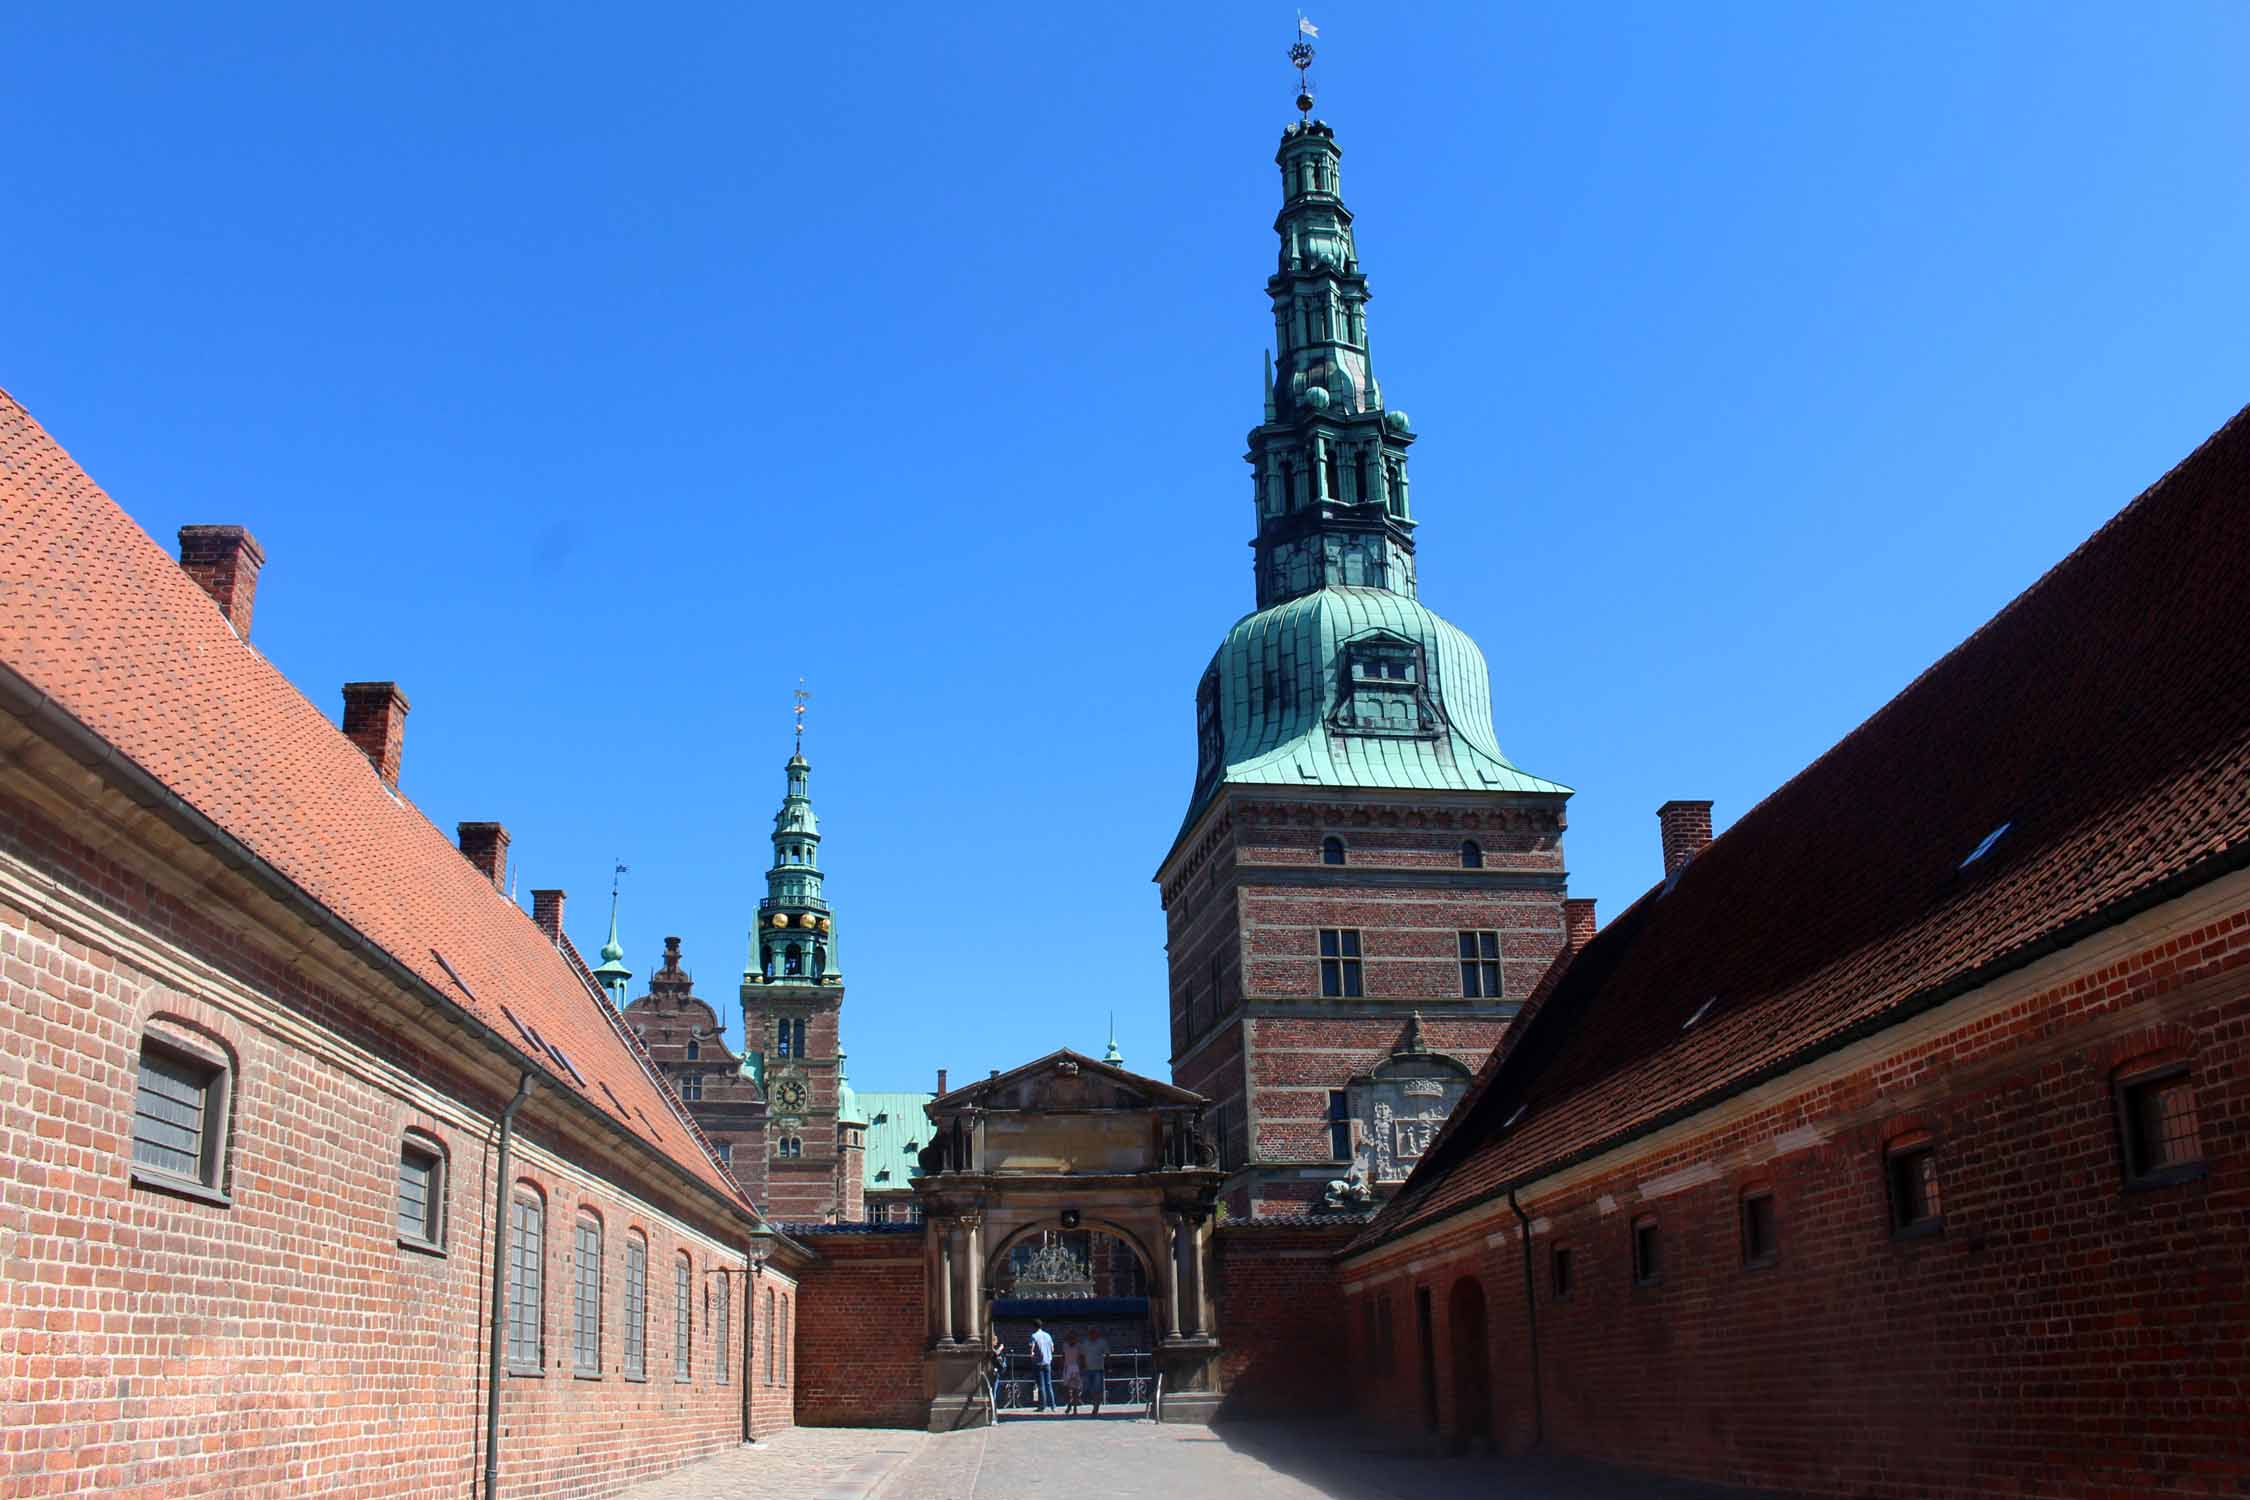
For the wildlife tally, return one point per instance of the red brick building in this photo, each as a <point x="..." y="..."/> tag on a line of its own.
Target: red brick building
<point x="1894" y="1143"/>
<point x="1357" y="851"/>
<point x="277" y="1060"/>
<point x="686" y="1038"/>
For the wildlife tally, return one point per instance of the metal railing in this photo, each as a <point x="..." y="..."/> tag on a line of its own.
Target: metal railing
<point x="1129" y="1379"/>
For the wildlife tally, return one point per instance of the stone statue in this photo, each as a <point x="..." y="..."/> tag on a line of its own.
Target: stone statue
<point x="1347" y="1192"/>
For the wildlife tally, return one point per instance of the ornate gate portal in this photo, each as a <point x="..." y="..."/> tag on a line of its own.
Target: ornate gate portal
<point x="1074" y="1186"/>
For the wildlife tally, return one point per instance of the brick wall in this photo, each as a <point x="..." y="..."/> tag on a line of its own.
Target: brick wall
<point x="2063" y="1334"/>
<point x="283" y="1342"/>
<point x="1280" y="1311"/>
<point x="862" y="1331"/>
<point x="776" y="1338"/>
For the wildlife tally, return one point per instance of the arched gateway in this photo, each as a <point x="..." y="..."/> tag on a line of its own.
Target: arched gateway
<point x="1059" y="1148"/>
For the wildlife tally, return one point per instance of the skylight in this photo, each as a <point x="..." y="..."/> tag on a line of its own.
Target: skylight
<point x="1509" y="1122"/>
<point x="1984" y="845"/>
<point x="454" y="975"/>
<point x="1700" y="1012"/>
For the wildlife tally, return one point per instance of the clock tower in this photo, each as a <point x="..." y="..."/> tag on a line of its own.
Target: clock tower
<point x="792" y="1000"/>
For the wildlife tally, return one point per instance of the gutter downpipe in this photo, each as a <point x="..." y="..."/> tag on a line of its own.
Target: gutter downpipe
<point x="1531" y="1317"/>
<point x="499" y="1290"/>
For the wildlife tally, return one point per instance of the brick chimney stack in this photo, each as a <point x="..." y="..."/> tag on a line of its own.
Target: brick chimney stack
<point x="546" y="912"/>
<point x="375" y="720"/>
<point x="1578" y="921"/>
<point x="486" y="845"/>
<point x="1687" y="828"/>
<point x="224" y="561"/>
<point x="941" y="1081"/>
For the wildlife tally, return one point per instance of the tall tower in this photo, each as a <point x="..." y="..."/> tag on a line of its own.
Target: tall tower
<point x="792" y="999"/>
<point x="1364" y="887"/>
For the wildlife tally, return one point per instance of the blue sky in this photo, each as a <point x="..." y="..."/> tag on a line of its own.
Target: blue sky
<point x="596" y="374"/>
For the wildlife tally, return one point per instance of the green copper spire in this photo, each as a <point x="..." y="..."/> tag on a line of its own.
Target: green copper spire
<point x="1112" y="1055"/>
<point x="611" y="973"/>
<point x="1341" y="678"/>
<point x="848" y="1111"/>
<point x="795" y="940"/>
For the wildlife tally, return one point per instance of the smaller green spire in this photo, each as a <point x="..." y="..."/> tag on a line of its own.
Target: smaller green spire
<point x="848" y="1111"/>
<point x="1113" y="1056"/>
<point x="612" y="975"/>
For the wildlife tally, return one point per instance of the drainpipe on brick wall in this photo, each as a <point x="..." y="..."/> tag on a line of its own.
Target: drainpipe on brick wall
<point x="1531" y="1317"/>
<point x="499" y="1293"/>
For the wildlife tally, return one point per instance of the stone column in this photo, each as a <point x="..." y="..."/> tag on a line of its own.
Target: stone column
<point x="972" y="1299"/>
<point x="1191" y="1254"/>
<point x="1172" y="1275"/>
<point x="945" y="1281"/>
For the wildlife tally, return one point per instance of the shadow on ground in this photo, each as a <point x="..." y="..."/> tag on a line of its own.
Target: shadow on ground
<point x="1349" y="1462"/>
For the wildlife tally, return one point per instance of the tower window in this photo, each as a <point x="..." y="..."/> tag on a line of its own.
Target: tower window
<point x="1472" y="855"/>
<point x="1339" y="963"/>
<point x="1331" y="850"/>
<point x="1328" y="469"/>
<point x="1480" y="965"/>
<point x="1288" y="485"/>
<point x="793" y="959"/>
<point x="1359" y="477"/>
<point x="691" y="1087"/>
<point x="694" y="1049"/>
<point x="1339" y="1124"/>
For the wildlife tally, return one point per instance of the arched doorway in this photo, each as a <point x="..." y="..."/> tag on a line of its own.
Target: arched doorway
<point x="1472" y="1365"/>
<point x="1088" y="1284"/>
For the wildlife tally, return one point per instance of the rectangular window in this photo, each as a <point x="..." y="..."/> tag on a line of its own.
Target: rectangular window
<point x="721" y="1322"/>
<point x="683" y="1320"/>
<point x="1339" y="1124"/>
<point x="1648" y="1253"/>
<point x="2156" y="1111"/>
<point x="1558" y="1272"/>
<point x="636" y="1307"/>
<point x="769" y="1337"/>
<point x="586" y="1309"/>
<point x="1916" y="1205"/>
<point x="1480" y="965"/>
<point x="691" y="1087"/>
<point x="781" y="1040"/>
<point x="1339" y="962"/>
<point x="527" y="1288"/>
<point x="421" y="1195"/>
<point x="782" y="1329"/>
<point x="179" y="1115"/>
<point x="1760" y="1235"/>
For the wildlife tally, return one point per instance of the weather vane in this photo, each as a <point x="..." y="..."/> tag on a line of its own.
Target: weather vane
<point x="803" y="698"/>
<point x="613" y="878"/>
<point x="1301" y="53"/>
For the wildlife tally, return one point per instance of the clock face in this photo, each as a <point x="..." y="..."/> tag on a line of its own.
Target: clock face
<point x="791" y="1094"/>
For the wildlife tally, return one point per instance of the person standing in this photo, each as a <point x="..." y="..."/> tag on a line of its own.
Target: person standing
<point x="1043" y="1351"/>
<point x="1093" y="1358"/>
<point x="1070" y="1370"/>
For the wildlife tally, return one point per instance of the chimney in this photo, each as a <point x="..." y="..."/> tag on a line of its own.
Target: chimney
<point x="486" y="845"/>
<point x="224" y="561"/>
<point x="941" y="1082"/>
<point x="1578" y="921"/>
<point x="1687" y="828"/>
<point x="375" y="720"/>
<point x="546" y="911"/>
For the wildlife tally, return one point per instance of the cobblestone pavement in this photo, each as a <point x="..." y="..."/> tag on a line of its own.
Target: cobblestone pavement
<point x="1117" y="1458"/>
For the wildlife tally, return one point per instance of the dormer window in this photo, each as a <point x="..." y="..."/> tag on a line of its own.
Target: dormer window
<point x="1383" y="689"/>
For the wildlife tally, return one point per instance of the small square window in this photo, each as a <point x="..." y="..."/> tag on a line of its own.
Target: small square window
<point x="421" y="1195"/>
<point x="1917" y="1205"/>
<point x="1558" y="1272"/>
<point x="691" y="1087"/>
<point x="179" y="1120"/>
<point x="2156" y="1111"/>
<point x="1761" y="1243"/>
<point x="1648" y="1253"/>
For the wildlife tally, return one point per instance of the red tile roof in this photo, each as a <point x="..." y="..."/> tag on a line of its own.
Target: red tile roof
<point x="2102" y="719"/>
<point x="101" y="619"/>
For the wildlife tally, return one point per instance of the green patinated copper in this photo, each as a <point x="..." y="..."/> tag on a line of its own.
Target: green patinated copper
<point x="847" y="1098"/>
<point x="1341" y="678"/>
<point x="896" y="1130"/>
<point x="611" y="973"/>
<point x="795" y="939"/>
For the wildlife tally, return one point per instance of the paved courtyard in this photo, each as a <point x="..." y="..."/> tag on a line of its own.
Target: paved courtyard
<point x="1112" y="1459"/>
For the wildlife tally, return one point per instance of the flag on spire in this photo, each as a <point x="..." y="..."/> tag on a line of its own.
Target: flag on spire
<point x="1305" y="27"/>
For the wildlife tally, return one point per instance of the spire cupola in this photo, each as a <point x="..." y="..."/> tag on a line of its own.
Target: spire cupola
<point x="611" y="973"/>
<point x="795" y="940"/>
<point x="1329" y="460"/>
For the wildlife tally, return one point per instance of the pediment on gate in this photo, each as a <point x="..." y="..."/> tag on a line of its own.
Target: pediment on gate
<point x="1065" y="1081"/>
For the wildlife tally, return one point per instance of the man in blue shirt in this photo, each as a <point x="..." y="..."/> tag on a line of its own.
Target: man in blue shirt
<point x="1043" y="1350"/>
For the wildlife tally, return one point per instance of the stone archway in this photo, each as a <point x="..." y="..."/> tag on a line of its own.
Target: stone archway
<point x="1067" y="1144"/>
